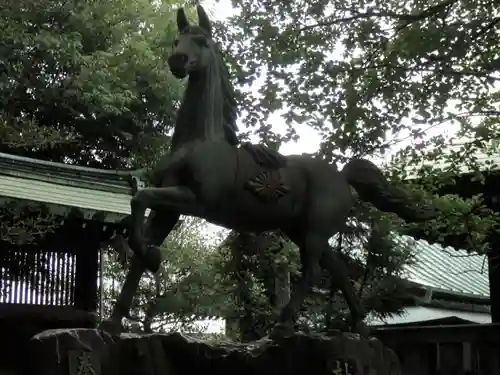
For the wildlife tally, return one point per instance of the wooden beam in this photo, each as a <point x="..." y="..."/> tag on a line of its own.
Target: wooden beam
<point x="472" y="333"/>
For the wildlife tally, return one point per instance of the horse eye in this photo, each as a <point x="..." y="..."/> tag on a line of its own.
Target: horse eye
<point x="201" y="41"/>
<point x="176" y="42"/>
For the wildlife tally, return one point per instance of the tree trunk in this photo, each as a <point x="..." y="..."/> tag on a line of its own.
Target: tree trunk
<point x="281" y="284"/>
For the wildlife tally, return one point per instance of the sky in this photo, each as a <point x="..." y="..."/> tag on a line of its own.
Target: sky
<point x="309" y="139"/>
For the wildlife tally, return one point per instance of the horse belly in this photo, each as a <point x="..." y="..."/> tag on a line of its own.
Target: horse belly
<point x="242" y="210"/>
<point x="256" y="219"/>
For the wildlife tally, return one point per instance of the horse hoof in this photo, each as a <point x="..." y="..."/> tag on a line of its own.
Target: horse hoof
<point x="361" y="329"/>
<point x="152" y="259"/>
<point x="110" y="326"/>
<point x="281" y="330"/>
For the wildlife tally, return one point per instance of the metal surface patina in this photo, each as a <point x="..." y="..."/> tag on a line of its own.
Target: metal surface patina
<point x="246" y="187"/>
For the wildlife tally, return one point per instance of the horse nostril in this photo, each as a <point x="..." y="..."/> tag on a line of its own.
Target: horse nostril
<point x="178" y="60"/>
<point x="178" y="63"/>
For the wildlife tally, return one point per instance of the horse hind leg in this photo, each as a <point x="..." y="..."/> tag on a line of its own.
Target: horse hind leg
<point x="310" y="252"/>
<point x="336" y="267"/>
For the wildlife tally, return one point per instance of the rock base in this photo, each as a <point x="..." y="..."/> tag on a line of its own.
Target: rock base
<point x="87" y="351"/>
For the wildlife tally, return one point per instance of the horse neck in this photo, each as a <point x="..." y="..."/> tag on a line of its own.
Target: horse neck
<point x="200" y="117"/>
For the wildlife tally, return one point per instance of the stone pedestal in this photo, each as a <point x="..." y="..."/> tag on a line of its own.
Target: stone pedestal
<point x="86" y="351"/>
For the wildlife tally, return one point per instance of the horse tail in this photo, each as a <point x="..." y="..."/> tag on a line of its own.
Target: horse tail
<point x="373" y="187"/>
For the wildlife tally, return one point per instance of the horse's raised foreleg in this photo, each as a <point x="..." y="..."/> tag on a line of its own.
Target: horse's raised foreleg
<point x="164" y="199"/>
<point x="310" y="254"/>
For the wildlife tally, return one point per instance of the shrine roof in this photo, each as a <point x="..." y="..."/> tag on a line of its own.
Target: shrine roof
<point x="447" y="269"/>
<point x="66" y="186"/>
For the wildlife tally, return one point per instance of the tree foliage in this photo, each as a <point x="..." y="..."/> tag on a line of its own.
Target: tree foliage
<point x="416" y="80"/>
<point x="376" y="260"/>
<point x="86" y="82"/>
<point x="83" y="83"/>
<point x="413" y="85"/>
<point x="188" y="289"/>
<point x="346" y="66"/>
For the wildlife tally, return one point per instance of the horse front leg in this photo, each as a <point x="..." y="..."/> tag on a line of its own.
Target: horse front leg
<point x="164" y="199"/>
<point x="158" y="226"/>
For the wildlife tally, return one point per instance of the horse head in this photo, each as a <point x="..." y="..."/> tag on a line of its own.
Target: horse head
<point x="193" y="47"/>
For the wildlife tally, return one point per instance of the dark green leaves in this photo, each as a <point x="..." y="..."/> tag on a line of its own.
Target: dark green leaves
<point x="95" y="70"/>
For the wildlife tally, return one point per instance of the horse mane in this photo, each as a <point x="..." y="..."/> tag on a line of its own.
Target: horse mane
<point x="230" y="105"/>
<point x="261" y="154"/>
<point x="224" y="116"/>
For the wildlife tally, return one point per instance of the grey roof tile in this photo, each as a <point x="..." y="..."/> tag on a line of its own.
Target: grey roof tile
<point x="64" y="186"/>
<point x="447" y="268"/>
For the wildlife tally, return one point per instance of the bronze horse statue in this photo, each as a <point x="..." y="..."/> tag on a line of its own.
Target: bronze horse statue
<point x="248" y="188"/>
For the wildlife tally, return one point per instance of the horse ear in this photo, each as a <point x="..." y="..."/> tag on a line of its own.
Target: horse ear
<point x="203" y="20"/>
<point x="182" y="21"/>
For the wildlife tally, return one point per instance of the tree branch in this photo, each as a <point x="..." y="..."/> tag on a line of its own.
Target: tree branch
<point x="483" y="30"/>
<point x="409" y="18"/>
<point x="450" y="72"/>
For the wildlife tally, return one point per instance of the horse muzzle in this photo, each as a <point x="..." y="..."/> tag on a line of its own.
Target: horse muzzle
<point x="178" y="64"/>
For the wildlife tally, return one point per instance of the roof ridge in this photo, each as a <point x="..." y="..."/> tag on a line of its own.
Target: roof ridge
<point x="57" y="165"/>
